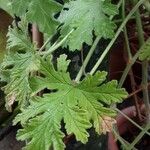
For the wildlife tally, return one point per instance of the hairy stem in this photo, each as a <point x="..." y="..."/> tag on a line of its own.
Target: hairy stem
<point x="138" y="138"/>
<point x="79" y="75"/>
<point x="116" y="36"/>
<point x="128" y="58"/>
<point x="127" y="69"/>
<point x="147" y="5"/>
<point x="144" y="64"/>
<point x="45" y="44"/>
<point x="145" y="88"/>
<point x="133" y="122"/>
<point x="87" y="59"/>
<point x="125" y="32"/>
<point x="124" y="143"/>
<point x="56" y="46"/>
<point x="137" y="91"/>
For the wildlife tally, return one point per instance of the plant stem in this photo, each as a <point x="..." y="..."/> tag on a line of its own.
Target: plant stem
<point x="128" y="58"/>
<point x="125" y="32"/>
<point x="120" y="139"/>
<point x="139" y="26"/>
<point x="48" y="40"/>
<point x="135" y="97"/>
<point x="144" y="64"/>
<point x="56" y="46"/>
<point x="115" y="37"/>
<point x="127" y="69"/>
<point x="137" y="91"/>
<point x="133" y="122"/>
<point x="145" y="88"/>
<point x="79" y="75"/>
<point x="147" y="5"/>
<point x="138" y="138"/>
<point x="87" y="58"/>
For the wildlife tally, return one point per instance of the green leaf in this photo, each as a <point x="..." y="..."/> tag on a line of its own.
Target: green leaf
<point x="18" y="39"/>
<point x="86" y="16"/>
<point x="76" y="104"/>
<point x="46" y="132"/>
<point x="40" y="12"/>
<point x="20" y="61"/>
<point x="145" y="51"/>
<point x="62" y="63"/>
<point x="6" y="5"/>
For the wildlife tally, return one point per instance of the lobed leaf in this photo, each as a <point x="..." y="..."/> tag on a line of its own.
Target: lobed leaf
<point x="86" y="16"/>
<point x="19" y="62"/>
<point x="40" y="12"/>
<point x="46" y="132"/>
<point x="79" y="105"/>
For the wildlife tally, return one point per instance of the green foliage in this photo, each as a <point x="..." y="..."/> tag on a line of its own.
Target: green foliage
<point x="26" y="72"/>
<point x="44" y="131"/>
<point x="5" y="5"/>
<point x="18" y="39"/>
<point x="61" y="64"/>
<point x="78" y="105"/>
<point x="20" y="61"/>
<point x="145" y="51"/>
<point x="40" y="12"/>
<point x="86" y="16"/>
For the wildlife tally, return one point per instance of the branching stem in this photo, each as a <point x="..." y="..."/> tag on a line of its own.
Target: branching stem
<point x="56" y="45"/>
<point x="138" y="138"/>
<point x="91" y="51"/>
<point x="144" y="64"/>
<point x="116" y="36"/>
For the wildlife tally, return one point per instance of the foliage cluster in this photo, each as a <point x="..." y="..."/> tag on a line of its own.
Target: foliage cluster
<point x="27" y="71"/>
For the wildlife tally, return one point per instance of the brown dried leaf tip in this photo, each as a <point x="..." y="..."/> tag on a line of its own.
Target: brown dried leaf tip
<point x="107" y="124"/>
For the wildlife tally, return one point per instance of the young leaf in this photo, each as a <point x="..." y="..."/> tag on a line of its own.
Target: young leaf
<point x="62" y="63"/>
<point x="40" y="12"/>
<point x="79" y="105"/>
<point x="20" y="61"/>
<point x="145" y="51"/>
<point x="86" y="16"/>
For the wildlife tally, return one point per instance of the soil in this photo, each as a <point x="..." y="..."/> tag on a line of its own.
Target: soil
<point x="9" y="142"/>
